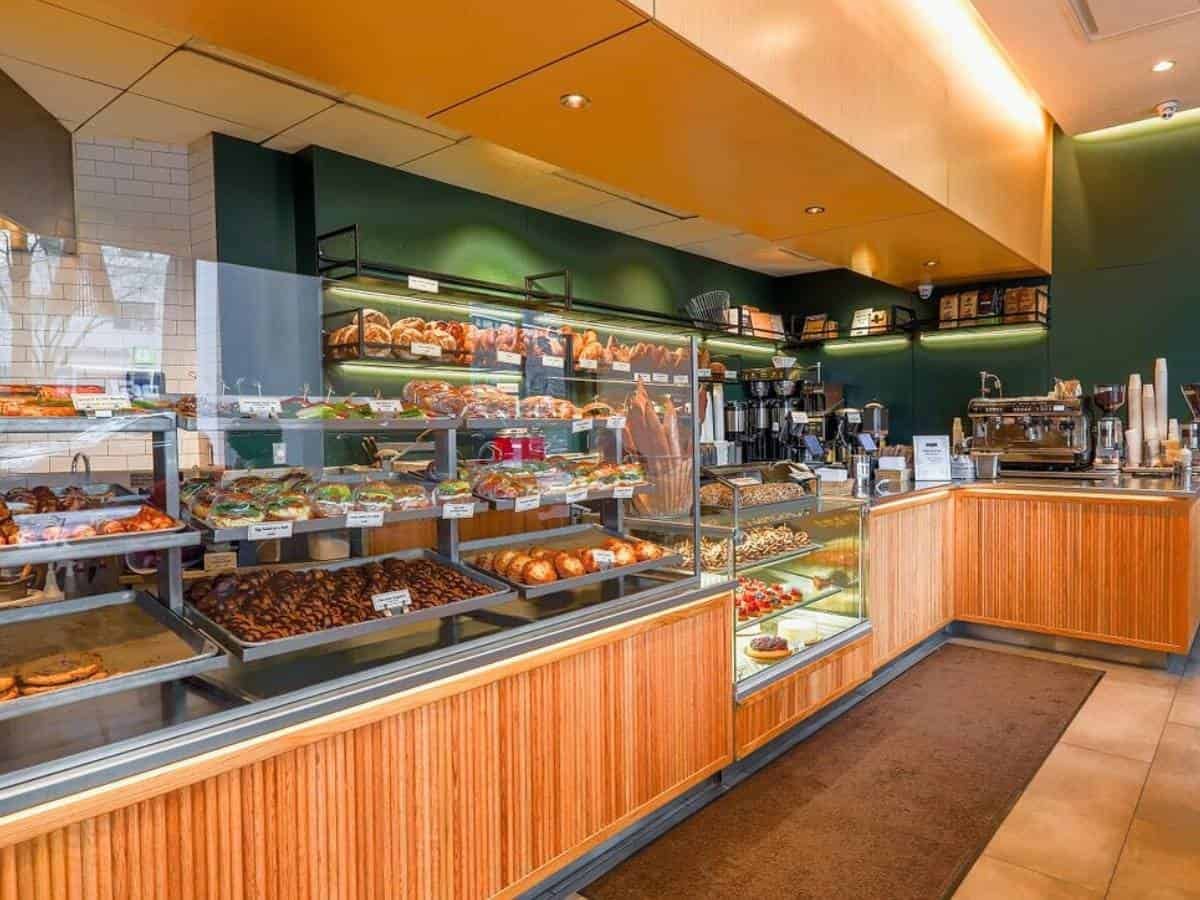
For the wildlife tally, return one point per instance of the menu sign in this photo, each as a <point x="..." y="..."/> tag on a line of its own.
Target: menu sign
<point x="931" y="457"/>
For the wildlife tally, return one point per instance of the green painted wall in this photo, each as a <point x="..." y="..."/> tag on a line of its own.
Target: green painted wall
<point x="255" y="205"/>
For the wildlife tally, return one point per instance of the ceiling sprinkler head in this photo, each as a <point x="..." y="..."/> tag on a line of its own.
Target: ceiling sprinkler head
<point x="1167" y="109"/>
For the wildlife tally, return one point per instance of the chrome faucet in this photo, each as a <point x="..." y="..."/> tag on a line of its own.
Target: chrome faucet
<point x="87" y="464"/>
<point x="984" y="390"/>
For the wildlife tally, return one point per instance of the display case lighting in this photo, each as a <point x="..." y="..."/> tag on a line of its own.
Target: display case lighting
<point x="982" y="335"/>
<point x="740" y="345"/>
<point x="552" y="320"/>
<point x="867" y="343"/>
<point x="429" y="303"/>
<point x="448" y="373"/>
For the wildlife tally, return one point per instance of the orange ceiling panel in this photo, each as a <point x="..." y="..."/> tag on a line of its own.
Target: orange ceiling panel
<point x="419" y="56"/>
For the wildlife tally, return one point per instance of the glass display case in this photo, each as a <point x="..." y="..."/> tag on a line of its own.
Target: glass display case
<point x="796" y="557"/>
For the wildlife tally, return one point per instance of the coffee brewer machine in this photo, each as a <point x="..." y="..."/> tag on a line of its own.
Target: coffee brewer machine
<point x="1110" y="429"/>
<point x="759" y="442"/>
<point x="845" y="441"/>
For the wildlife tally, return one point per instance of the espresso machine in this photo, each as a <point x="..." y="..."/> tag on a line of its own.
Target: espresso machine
<point x="1110" y="429"/>
<point x="1032" y="432"/>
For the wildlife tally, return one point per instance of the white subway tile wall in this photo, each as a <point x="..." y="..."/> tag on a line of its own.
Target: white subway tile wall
<point x="124" y="301"/>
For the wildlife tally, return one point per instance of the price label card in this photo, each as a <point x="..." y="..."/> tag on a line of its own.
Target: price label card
<point x="833" y="476"/>
<point x="259" y="407"/>
<point x="660" y="378"/>
<point x="576" y="495"/>
<point x="604" y="558"/>
<point x="621" y="366"/>
<point x="385" y="407"/>
<point x="641" y="376"/>
<point x="103" y="414"/>
<point x="360" y="519"/>
<point x="783" y="362"/>
<point x="508" y="358"/>
<point x="425" y="349"/>
<point x="591" y="364"/>
<point x="221" y="561"/>
<point x="745" y="480"/>
<point x="428" y="285"/>
<point x="99" y="403"/>
<point x="392" y="600"/>
<point x="458" y="510"/>
<point x="552" y="362"/>
<point x="681" y="380"/>
<point x="799" y="418"/>
<point x="615" y="423"/>
<point x="704" y="373"/>
<point x="578" y="425"/>
<point x="269" y="531"/>
<point x="509" y="387"/>
<point x="524" y="504"/>
<point x="623" y="492"/>
<point x="731" y="375"/>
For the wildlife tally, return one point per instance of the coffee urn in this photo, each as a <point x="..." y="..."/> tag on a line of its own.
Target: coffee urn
<point x="736" y="428"/>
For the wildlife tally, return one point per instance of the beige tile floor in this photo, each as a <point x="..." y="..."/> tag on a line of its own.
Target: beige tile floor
<point x="1114" y="810"/>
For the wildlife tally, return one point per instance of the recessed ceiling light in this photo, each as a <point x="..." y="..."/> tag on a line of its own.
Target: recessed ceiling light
<point x="1164" y="65"/>
<point x="931" y="263"/>
<point x="574" y="100"/>
<point x="814" y="210"/>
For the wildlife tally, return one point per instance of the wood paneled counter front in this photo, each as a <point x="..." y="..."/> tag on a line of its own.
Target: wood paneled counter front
<point x="476" y="786"/>
<point x="1115" y="566"/>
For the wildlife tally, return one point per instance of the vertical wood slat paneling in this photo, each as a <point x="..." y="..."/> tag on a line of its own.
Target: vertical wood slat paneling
<point x="909" y="573"/>
<point x="1112" y="570"/>
<point x="779" y="706"/>
<point x="477" y="793"/>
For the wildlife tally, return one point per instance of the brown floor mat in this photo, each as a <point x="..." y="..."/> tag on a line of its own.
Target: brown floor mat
<point x="895" y="799"/>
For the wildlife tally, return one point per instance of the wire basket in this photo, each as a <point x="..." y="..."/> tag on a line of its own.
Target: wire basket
<point x="709" y="308"/>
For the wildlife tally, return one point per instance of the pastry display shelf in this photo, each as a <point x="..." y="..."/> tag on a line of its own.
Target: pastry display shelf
<point x="782" y="509"/>
<point x="549" y="498"/>
<point x="206" y="655"/>
<point x="215" y="534"/>
<point x="834" y="633"/>
<point x="777" y="559"/>
<point x="92" y="548"/>
<point x="824" y="594"/>
<point x="248" y="651"/>
<point x="420" y="367"/>
<point x="567" y="537"/>
<point x="352" y="426"/>
<point x="599" y="423"/>
<point x="124" y="422"/>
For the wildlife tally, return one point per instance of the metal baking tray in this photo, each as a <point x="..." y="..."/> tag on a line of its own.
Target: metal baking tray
<point x="568" y="538"/>
<point x="120" y="627"/>
<point x="559" y="495"/>
<point x="353" y="426"/>
<point x="110" y="494"/>
<point x="248" y="651"/>
<point x="38" y="552"/>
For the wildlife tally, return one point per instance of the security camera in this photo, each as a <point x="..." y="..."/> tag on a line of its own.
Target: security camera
<point x="925" y="290"/>
<point x="1167" y="109"/>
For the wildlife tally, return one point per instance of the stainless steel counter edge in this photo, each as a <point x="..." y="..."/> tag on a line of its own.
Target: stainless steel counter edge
<point x="101" y="766"/>
<point x="1130" y="486"/>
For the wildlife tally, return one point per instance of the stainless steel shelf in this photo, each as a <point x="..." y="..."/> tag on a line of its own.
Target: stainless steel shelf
<point x="553" y="497"/>
<point x="207" y="656"/>
<point x="140" y="423"/>
<point x="248" y="651"/>
<point x="118" y="545"/>
<point x="777" y="559"/>
<point x="598" y="424"/>
<point x="353" y="426"/>
<point x="216" y="535"/>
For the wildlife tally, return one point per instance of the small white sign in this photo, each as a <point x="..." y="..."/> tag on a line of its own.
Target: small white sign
<point x="604" y="558"/>
<point x="552" y="362"/>
<point x="279" y="453"/>
<point x="458" y="510"/>
<point x="660" y="378"/>
<point x="578" y="425"/>
<point x="425" y="349"/>
<point x="833" y="476"/>
<point x="704" y="373"/>
<point x="259" y="407"/>
<point x="931" y="457"/>
<point x="576" y="495"/>
<point x="385" y="407"/>
<point x="783" y="362"/>
<point x="681" y="380"/>
<point x="615" y="423"/>
<point x="524" y="504"/>
<point x="745" y="480"/>
<point x="99" y="403"/>
<point x="508" y="357"/>
<point x="642" y="376"/>
<point x="731" y="375"/>
<point x="621" y="366"/>
<point x="391" y="600"/>
<point x="363" y="519"/>
<point x="269" y="531"/>
<point x="592" y="364"/>
<point x="893" y="463"/>
<point x="509" y="387"/>
<point x="623" y="492"/>
<point x="799" y="418"/>
<point x="221" y="561"/>
<point x="428" y="285"/>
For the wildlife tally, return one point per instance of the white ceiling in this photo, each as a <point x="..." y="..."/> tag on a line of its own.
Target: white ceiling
<point x="104" y="75"/>
<point x="1090" y="60"/>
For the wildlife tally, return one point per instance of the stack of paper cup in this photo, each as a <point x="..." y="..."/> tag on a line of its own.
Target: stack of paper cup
<point x="1150" y="423"/>
<point x="1133" y="436"/>
<point x="1133" y="446"/>
<point x="1160" y="396"/>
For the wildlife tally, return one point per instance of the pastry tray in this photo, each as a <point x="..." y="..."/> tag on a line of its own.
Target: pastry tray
<point x="118" y="494"/>
<point x="570" y="537"/>
<point x="36" y="552"/>
<point x="248" y="651"/>
<point x="125" y="628"/>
